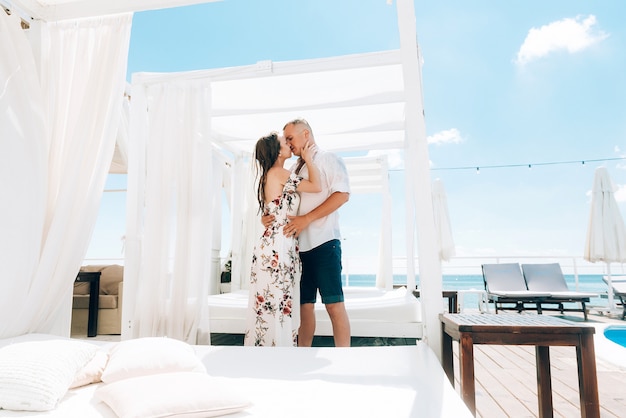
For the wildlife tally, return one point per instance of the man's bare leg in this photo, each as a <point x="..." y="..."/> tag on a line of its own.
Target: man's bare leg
<point x="307" y="325"/>
<point x="341" y="323"/>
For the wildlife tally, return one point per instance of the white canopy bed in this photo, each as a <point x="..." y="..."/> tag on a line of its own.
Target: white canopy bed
<point x="354" y="103"/>
<point x="359" y="102"/>
<point x="166" y="377"/>
<point x="381" y="108"/>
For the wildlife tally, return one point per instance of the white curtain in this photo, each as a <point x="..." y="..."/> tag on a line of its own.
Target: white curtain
<point x="58" y="127"/>
<point x="23" y="168"/>
<point x="247" y="226"/>
<point x="173" y="179"/>
<point x="119" y="164"/>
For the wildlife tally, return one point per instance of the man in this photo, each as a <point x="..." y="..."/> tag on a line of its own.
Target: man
<point x="317" y="229"/>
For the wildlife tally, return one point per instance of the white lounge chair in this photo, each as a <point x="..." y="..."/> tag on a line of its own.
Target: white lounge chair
<point x="505" y="285"/>
<point x="548" y="277"/>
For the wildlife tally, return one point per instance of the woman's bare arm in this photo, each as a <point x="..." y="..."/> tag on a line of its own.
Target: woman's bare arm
<point x="313" y="184"/>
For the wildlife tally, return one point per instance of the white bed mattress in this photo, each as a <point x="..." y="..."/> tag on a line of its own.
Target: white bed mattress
<point x="373" y="312"/>
<point x="388" y="381"/>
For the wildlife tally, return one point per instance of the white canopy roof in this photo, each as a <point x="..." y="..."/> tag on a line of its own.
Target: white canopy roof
<point x="353" y="102"/>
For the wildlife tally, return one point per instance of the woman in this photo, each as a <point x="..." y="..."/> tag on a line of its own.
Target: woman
<point x="273" y="306"/>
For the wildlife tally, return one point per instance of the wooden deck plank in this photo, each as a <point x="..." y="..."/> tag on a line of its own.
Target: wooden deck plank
<point x="505" y="395"/>
<point x="493" y="396"/>
<point x="565" y="381"/>
<point x="612" y="389"/>
<point x="523" y="384"/>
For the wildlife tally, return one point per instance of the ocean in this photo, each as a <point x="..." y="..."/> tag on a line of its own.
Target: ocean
<point x="586" y="283"/>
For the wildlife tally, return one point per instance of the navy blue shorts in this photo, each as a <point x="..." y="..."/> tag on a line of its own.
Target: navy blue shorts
<point x="321" y="270"/>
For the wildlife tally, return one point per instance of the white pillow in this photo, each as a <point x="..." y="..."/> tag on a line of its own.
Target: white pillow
<point x="92" y="371"/>
<point x="35" y="375"/>
<point x="30" y="337"/>
<point x="184" y="394"/>
<point x="150" y="355"/>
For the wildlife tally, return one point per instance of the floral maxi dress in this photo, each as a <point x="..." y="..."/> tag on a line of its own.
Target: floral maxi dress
<point x="273" y="315"/>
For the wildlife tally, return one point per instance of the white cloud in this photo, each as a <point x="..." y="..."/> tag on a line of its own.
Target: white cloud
<point x="450" y="136"/>
<point x="572" y="35"/>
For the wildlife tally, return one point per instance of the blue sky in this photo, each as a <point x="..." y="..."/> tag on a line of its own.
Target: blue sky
<point x="505" y="83"/>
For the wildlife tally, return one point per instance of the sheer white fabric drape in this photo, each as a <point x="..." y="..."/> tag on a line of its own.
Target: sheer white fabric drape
<point x="23" y="169"/>
<point x="247" y="227"/>
<point x="119" y="165"/>
<point x="174" y="184"/>
<point x="58" y="127"/>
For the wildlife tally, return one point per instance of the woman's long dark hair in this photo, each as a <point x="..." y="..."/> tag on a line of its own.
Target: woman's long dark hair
<point x="266" y="153"/>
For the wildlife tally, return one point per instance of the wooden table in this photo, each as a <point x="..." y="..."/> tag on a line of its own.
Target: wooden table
<point x="542" y="331"/>
<point x="93" y="278"/>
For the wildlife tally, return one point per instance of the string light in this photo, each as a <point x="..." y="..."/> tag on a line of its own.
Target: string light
<point x="530" y="166"/>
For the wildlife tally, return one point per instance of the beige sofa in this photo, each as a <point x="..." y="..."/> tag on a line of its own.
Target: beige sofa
<point x="110" y="301"/>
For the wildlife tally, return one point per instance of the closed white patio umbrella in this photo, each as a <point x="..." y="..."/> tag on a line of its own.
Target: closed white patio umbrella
<point x="606" y="234"/>
<point x="442" y="221"/>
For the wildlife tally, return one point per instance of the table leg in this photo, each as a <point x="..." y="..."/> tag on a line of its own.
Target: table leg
<point x="92" y="321"/>
<point x="447" y="360"/>
<point x="460" y="301"/>
<point x="466" y="359"/>
<point x="544" y="381"/>
<point x="587" y="378"/>
<point x="452" y="307"/>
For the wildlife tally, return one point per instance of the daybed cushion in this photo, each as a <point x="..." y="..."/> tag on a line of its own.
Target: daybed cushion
<point x="150" y="355"/>
<point x="35" y="375"/>
<point x="184" y="394"/>
<point x="373" y="312"/>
